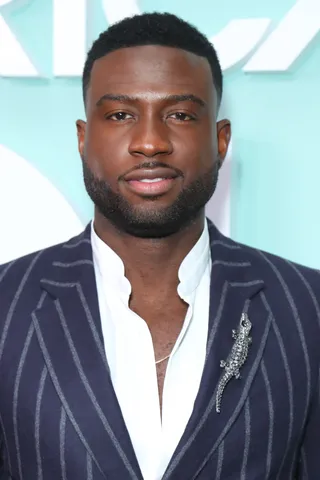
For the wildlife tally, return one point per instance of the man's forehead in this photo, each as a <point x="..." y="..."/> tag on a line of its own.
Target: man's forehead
<point x="152" y="68"/>
<point x="135" y="61"/>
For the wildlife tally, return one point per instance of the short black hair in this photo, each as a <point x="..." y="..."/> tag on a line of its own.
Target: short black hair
<point x="163" y="29"/>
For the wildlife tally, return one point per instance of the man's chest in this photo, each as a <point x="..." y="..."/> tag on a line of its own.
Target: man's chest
<point x="54" y="385"/>
<point x="163" y="323"/>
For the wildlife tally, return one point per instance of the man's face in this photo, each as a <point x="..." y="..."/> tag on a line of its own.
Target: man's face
<point x="151" y="147"/>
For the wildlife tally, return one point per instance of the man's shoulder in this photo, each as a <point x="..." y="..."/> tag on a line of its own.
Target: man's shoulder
<point x="280" y="264"/>
<point x="279" y="272"/>
<point x="34" y="265"/>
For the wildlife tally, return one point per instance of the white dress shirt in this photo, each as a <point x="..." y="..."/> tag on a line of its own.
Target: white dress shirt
<point x="130" y="354"/>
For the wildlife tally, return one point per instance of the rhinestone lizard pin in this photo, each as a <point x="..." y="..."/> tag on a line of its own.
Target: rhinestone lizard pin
<point x="236" y="357"/>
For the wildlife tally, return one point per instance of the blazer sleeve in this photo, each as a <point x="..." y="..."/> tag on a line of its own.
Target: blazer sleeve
<point x="309" y="462"/>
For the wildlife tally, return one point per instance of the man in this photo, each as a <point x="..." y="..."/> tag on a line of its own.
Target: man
<point x="151" y="346"/>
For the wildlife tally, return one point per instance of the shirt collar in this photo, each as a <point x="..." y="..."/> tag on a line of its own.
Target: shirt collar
<point x="111" y="267"/>
<point x="194" y="264"/>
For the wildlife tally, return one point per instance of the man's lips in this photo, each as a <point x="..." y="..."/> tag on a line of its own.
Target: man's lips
<point x="151" y="182"/>
<point x="150" y="174"/>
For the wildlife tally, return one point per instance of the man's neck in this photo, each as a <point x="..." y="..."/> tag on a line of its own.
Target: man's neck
<point x="150" y="263"/>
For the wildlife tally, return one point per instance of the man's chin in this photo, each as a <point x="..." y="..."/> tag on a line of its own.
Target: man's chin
<point x="156" y="226"/>
<point x="151" y="231"/>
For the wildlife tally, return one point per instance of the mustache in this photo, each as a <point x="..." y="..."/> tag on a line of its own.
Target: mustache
<point x="151" y="165"/>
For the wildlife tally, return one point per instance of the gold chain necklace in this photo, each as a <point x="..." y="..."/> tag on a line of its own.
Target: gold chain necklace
<point x="163" y="359"/>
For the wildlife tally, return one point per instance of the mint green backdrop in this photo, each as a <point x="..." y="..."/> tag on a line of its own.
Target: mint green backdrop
<point x="275" y="192"/>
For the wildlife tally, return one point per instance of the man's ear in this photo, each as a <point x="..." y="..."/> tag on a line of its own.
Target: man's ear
<point x="224" y="137"/>
<point x="81" y="131"/>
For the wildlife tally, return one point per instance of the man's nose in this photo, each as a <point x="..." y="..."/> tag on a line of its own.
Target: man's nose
<point x="150" y="137"/>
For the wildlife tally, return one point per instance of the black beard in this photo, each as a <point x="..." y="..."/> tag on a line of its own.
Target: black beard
<point x="152" y="223"/>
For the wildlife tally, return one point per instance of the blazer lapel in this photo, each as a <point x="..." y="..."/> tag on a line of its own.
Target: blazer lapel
<point x="235" y="288"/>
<point x="69" y="332"/>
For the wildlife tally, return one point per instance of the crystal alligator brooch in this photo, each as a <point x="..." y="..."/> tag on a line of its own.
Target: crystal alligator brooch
<point x="236" y="358"/>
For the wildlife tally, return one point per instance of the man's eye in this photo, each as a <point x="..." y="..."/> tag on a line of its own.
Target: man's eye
<point x="182" y="117"/>
<point x="119" y="116"/>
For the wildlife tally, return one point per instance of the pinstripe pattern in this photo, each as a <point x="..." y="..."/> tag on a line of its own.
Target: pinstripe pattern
<point x="59" y="284"/>
<point x="228" y="425"/>
<point x="216" y="322"/>
<point x="220" y="461"/>
<point x="37" y="422"/>
<point x="15" y="301"/>
<point x="58" y="388"/>
<point x="226" y="263"/>
<point x="298" y="324"/>
<point x="211" y="338"/>
<point x="305" y="465"/>
<point x="247" y="439"/>
<point x="246" y="284"/>
<point x="209" y="409"/>
<point x="62" y="431"/>
<point x="288" y="377"/>
<point x="53" y="362"/>
<point x="89" y="468"/>
<point x="77" y="263"/>
<point x="271" y="418"/>
<point x="221" y="243"/>
<point x="246" y="306"/>
<point x="91" y="393"/>
<point x="15" y="396"/>
<point x="6" y="269"/>
<point x="87" y="312"/>
<point x="93" y="328"/>
<point x="38" y="406"/>
<point x="300" y="330"/>
<point x="308" y="287"/>
<point x="77" y="244"/>
<point x="5" y="441"/>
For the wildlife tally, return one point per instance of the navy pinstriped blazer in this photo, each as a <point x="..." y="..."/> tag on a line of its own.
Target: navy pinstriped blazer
<point x="59" y="415"/>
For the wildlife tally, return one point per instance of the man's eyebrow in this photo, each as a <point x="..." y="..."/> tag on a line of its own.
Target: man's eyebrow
<point x="187" y="98"/>
<point x="115" y="98"/>
<point x="170" y="98"/>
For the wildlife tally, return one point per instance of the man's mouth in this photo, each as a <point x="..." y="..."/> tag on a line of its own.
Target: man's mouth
<point x="151" y="182"/>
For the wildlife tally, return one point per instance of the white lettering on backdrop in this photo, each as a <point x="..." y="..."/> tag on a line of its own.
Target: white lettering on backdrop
<point x="271" y="51"/>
